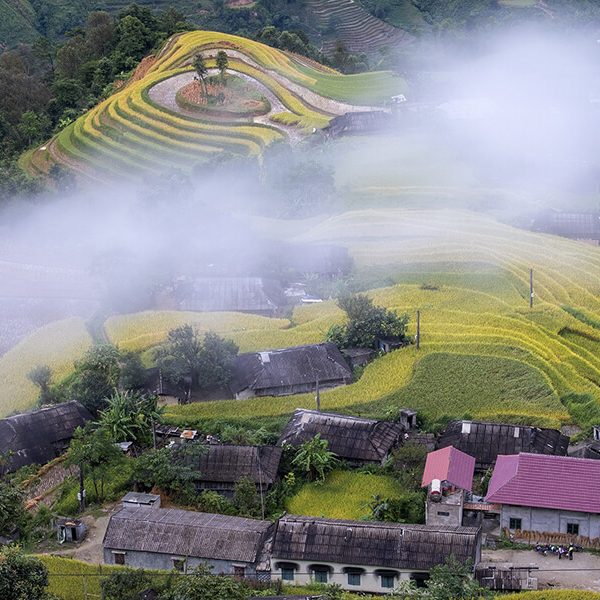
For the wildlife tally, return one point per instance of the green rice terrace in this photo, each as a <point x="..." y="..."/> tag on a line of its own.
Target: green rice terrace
<point x="484" y="352"/>
<point x="143" y="127"/>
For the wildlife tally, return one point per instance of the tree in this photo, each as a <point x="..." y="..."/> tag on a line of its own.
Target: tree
<point x="33" y="126"/>
<point x="95" y="453"/>
<point x="96" y="377"/>
<point x="12" y="509"/>
<point x="245" y="498"/>
<point x="133" y="374"/>
<point x="134" y="37"/>
<point x="201" y="585"/>
<point x="454" y="581"/>
<point x="200" y="66"/>
<point x="22" y="577"/>
<point x="222" y="64"/>
<point x="42" y="377"/>
<point x="130" y="417"/>
<point x="366" y="323"/>
<point x="205" y="363"/>
<point x="100" y="33"/>
<point x="314" y="459"/>
<point x="126" y="584"/>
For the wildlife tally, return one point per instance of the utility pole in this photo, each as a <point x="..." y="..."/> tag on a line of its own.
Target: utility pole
<point x="530" y="288"/>
<point x="418" y="336"/>
<point x="153" y="434"/>
<point x="81" y="495"/>
<point x="318" y="396"/>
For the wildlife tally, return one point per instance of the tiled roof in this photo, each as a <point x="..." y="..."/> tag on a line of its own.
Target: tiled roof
<point x="555" y="482"/>
<point x="451" y="465"/>
<point x="485" y="441"/>
<point x="287" y="367"/>
<point x="350" y="438"/>
<point x="186" y="533"/>
<point x="229" y="463"/>
<point x="388" y="545"/>
<point x="38" y="436"/>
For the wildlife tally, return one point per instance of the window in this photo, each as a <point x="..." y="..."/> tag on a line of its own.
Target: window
<point x="239" y="572"/>
<point x="287" y="573"/>
<point x="573" y="528"/>
<point x="179" y="564"/>
<point x="387" y="581"/>
<point x="514" y="523"/>
<point x="443" y="513"/>
<point x="353" y="578"/>
<point x="119" y="558"/>
<point x="320" y="574"/>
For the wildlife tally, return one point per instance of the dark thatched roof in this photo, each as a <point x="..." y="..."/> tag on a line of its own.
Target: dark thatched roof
<point x="387" y="545"/>
<point x="244" y="294"/>
<point x="288" y="367"/>
<point x="485" y="441"/>
<point x="582" y="225"/>
<point x="187" y="533"/>
<point x="39" y="436"/>
<point x="351" y="438"/>
<point x="228" y="464"/>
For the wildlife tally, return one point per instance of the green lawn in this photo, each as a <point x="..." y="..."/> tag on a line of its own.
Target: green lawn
<point x="343" y="495"/>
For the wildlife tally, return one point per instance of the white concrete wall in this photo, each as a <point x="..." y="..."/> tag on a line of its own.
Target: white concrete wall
<point x="551" y="521"/>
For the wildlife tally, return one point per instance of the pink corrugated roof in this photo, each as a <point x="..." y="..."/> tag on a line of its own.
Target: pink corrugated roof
<point x="451" y="465"/>
<point x="540" y="481"/>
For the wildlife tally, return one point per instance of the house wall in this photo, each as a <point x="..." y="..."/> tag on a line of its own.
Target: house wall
<point x="445" y="514"/>
<point x="550" y="521"/>
<point x="369" y="582"/>
<point x="290" y="389"/>
<point x="154" y="560"/>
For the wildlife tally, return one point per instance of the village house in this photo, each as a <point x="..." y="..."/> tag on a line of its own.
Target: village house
<point x="240" y="294"/>
<point x="581" y="226"/>
<point x="365" y="556"/>
<point x="485" y="441"/>
<point x="136" y="499"/>
<point x="39" y="436"/>
<point x="547" y="494"/>
<point x="358" y="441"/>
<point x="448" y="475"/>
<point x="168" y="538"/>
<point x="221" y="466"/>
<point x="288" y="371"/>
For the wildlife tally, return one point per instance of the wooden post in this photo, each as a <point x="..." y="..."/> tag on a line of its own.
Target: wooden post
<point x="318" y="396"/>
<point x="81" y="490"/>
<point x="530" y="288"/>
<point x="418" y="336"/>
<point x="153" y="434"/>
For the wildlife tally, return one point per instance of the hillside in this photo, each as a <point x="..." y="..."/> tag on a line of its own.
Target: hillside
<point x="143" y="127"/>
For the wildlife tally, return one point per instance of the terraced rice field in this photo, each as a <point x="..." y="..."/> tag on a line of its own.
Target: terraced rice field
<point x="358" y="30"/>
<point x="468" y="275"/>
<point x="139" y="129"/>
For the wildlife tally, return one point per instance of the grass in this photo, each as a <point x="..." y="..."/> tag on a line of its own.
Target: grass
<point x="356" y="490"/>
<point x="57" y="345"/>
<point x="554" y="595"/>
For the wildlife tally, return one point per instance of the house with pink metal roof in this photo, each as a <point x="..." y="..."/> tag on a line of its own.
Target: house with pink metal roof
<point x="448" y="475"/>
<point x="552" y="494"/>
<point x="451" y="466"/>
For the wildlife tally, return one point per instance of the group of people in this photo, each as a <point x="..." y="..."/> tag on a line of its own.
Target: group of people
<point x="562" y="551"/>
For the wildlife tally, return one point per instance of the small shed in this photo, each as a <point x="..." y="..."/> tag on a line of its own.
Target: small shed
<point x="389" y="344"/>
<point x="70" y="530"/>
<point x="139" y="499"/>
<point x="358" y="357"/>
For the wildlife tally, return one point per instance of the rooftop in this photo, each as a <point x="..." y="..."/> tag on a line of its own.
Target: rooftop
<point x="350" y="438"/>
<point x="388" y="545"/>
<point x="289" y="367"/>
<point x="451" y="465"/>
<point x="555" y="482"/>
<point x="186" y="533"/>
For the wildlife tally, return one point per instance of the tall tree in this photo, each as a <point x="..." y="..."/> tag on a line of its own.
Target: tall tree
<point x="42" y="377"/>
<point x="222" y="64"/>
<point x="199" y="65"/>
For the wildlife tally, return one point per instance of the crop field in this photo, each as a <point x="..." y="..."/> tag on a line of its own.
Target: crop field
<point x="484" y="352"/>
<point x="57" y="345"/>
<point x="357" y="490"/>
<point x="138" y="130"/>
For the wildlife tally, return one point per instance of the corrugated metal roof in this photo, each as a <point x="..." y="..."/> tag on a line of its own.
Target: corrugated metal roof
<point x="350" y="438"/>
<point x="387" y="545"/>
<point x="451" y="465"/>
<point x="555" y="482"/>
<point x="186" y="533"/>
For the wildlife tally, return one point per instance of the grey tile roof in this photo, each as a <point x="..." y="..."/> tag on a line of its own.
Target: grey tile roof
<point x="37" y="437"/>
<point x="246" y="294"/>
<point x="485" y="441"/>
<point x="186" y="533"/>
<point x="351" y="438"/>
<point x="386" y="545"/>
<point x="289" y="367"/>
<point x="228" y="463"/>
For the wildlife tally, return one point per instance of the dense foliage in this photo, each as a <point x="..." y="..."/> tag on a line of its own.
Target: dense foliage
<point x="22" y="577"/>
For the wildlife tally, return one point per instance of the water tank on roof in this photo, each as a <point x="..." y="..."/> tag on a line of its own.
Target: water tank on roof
<point x="435" y="490"/>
